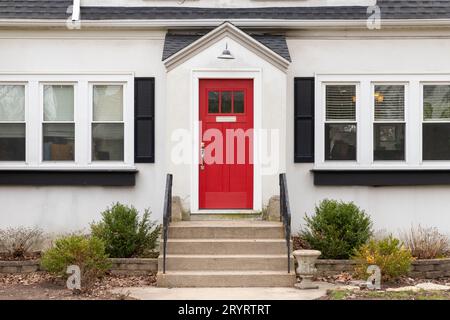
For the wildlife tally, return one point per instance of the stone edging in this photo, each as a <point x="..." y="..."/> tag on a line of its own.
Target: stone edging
<point x="27" y="266"/>
<point x="133" y="266"/>
<point x="119" y="266"/>
<point x="428" y="269"/>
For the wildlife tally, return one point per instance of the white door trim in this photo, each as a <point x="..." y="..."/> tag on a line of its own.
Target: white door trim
<point x="256" y="76"/>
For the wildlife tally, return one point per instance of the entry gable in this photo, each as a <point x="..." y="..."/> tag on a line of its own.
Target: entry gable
<point x="227" y="29"/>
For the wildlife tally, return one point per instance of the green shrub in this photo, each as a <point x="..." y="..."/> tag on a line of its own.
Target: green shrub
<point x="124" y="234"/>
<point x="88" y="253"/>
<point x="337" y="229"/>
<point x="388" y="254"/>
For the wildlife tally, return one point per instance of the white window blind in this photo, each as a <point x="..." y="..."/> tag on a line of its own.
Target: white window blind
<point x="436" y="102"/>
<point x="389" y="103"/>
<point x="341" y="102"/>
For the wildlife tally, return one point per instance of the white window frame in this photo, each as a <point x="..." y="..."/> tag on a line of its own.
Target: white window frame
<point x="406" y="110"/>
<point x="125" y="111"/>
<point x="25" y="84"/>
<point x="414" y="120"/>
<point x="356" y="122"/>
<point x="422" y="117"/>
<point x="83" y="111"/>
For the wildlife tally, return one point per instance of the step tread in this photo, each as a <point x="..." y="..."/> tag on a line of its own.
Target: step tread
<point x="226" y="256"/>
<point x="242" y="240"/>
<point x="225" y="224"/>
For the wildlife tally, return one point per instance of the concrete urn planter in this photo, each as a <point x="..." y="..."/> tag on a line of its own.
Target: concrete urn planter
<point x="306" y="260"/>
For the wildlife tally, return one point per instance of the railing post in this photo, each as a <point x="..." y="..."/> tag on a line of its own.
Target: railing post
<point x="167" y="216"/>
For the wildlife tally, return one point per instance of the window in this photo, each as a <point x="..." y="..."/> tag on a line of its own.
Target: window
<point x="108" y="124"/>
<point x="58" y="129"/>
<point x="389" y="125"/>
<point x="436" y="126"/>
<point x="340" y="126"/>
<point x="12" y="122"/>
<point x="226" y="102"/>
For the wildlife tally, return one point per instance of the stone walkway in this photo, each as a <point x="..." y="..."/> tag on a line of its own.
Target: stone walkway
<point x="154" y="293"/>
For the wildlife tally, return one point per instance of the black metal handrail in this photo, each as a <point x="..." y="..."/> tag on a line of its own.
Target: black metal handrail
<point x="167" y="216"/>
<point x="285" y="215"/>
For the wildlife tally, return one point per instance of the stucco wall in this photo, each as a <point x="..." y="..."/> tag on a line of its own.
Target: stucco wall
<point x="72" y="208"/>
<point x="392" y="208"/>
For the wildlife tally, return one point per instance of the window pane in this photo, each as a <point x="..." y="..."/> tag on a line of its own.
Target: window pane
<point x="58" y="103"/>
<point x="12" y="103"/>
<point x="226" y="102"/>
<point x="340" y="141"/>
<point x="213" y="102"/>
<point x="239" y="102"/>
<point x="59" y="142"/>
<point x="436" y="102"/>
<point x="389" y="141"/>
<point x="107" y="141"/>
<point x="108" y="103"/>
<point x="12" y="142"/>
<point x="341" y="102"/>
<point x="389" y="102"/>
<point x="436" y="141"/>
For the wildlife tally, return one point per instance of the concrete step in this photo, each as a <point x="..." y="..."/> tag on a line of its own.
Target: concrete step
<point x="226" y="217"/>
<point x="225" y="246"/>
<point x="225" y="263"/>
<point x="226" y="230"/>
<point x="205" y="279"/>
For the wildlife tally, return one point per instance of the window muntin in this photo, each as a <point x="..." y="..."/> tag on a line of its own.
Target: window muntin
<point x="389" y="122"/>
<point x="12" y="122"/>
<point x="436" y="122"/>
<point x="58" y="128"/>
<point x="340" y="125"/>
<point x="108" y="136"/>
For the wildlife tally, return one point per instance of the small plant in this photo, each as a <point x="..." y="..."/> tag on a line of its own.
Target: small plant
<point x="88" y="253"/>
<point x="426" y="243"/>
<point x="393" y="259"/>
<point x="337" y="229"/>
<point x="18" y="242"/>
<point x="124" y="234"/>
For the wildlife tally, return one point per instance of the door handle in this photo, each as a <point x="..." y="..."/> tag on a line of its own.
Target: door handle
<point x="202" y="156"/>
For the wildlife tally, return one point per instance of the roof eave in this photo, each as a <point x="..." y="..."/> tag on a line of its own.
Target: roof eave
<point x="260" y="23"/>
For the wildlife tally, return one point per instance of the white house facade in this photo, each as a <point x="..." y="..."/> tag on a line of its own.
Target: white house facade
<point x="99" y="100"/>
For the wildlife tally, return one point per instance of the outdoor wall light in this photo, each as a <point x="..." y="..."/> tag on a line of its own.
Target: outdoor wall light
<point x="226" y="54"/>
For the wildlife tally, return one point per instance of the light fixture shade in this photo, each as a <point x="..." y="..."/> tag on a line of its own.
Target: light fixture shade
<point x="226" y="54"/>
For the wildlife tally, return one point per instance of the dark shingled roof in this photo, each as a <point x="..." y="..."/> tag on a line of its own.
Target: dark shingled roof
<point x="177" y="42"/>
<point x="390" y="9"/>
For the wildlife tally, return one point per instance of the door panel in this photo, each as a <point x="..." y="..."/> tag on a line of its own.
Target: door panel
<point x="226" y="141"/>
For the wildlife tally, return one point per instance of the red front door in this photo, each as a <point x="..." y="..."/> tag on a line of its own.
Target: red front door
<point x="226" y="144"/>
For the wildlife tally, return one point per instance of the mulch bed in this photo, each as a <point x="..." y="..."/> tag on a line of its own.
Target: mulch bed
<point x="43" y="286"/>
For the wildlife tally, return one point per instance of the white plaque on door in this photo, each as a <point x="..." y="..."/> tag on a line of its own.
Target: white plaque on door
<point x="225" y="119"/>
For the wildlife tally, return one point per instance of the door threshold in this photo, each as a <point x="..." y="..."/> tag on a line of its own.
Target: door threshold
<point x="224" y="212"/>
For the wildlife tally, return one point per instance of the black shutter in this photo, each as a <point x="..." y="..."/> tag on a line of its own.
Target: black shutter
<point x="304" y="120"/>
<point x="144" y="120"/>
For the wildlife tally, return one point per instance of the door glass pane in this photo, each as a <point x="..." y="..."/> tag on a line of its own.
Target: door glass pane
<point x="238" y="102"/>
<point x="108" y="103"/>
<point x="58" y="103"/>
<point x="213" y="102"/>
<point x="341" y="102"/>
<point x="340" y="143"/>
<point x="12" y="103"/>
<point x="107" y="142"/>
<point x="389" y="141"/>
<point x="12" y="142"/>
<point x="59" y="142"/>
<point x="436" y="141"/>
<point x="436" y="102"/>
<point x="226" y="102"/>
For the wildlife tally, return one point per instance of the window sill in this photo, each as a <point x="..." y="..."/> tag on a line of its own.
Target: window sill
<point x="68" y="176"/>
<point x="381" y="177"/>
